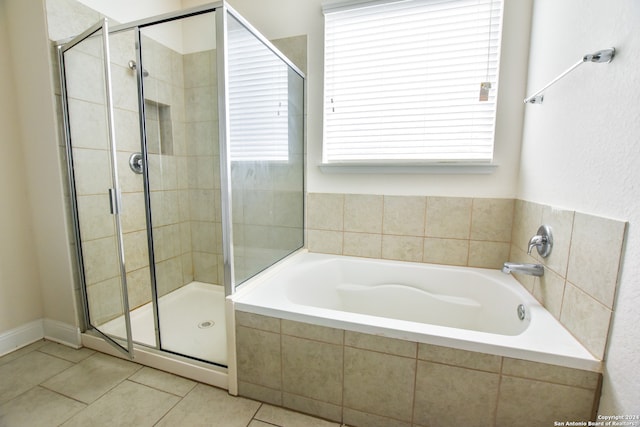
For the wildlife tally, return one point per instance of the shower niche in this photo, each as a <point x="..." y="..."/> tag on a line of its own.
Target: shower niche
<point x="159" y="127"/>
<point x="216" y="115"/>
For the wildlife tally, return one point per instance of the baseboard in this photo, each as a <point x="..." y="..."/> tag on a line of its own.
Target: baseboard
<point x="21" y="336"/>
<point x="62" y="333"/>
<point x="28" y="333"/>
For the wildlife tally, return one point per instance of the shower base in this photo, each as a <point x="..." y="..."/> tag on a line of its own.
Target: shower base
<point x="192" y="323"/>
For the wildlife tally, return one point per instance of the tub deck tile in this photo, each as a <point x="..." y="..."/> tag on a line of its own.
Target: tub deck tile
<point x="312" y="332"/>
<point x="381" y="344"/>
<point x="463" y="358"/>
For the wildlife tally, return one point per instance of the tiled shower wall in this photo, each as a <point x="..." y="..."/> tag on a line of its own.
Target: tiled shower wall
<point x="203" y="159"/>
<point x="581" y="273"/>
<point x="167" y="151"/>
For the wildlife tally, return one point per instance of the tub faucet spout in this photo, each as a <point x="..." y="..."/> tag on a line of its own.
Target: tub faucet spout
<point x="530" y="269"/>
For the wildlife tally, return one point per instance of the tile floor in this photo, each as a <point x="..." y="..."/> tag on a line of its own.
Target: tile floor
<point x="48" y="384"/>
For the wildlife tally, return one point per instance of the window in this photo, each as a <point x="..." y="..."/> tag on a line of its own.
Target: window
<point x="258" y="99"/>
<point x="412" y="80"/>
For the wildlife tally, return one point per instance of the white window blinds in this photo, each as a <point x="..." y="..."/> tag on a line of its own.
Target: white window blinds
<point x="412" y="80"/>
<point x="258" y="99"/>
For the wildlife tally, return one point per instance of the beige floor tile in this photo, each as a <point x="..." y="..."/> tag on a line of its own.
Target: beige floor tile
<point x="128" y="404"/>
<point x="38" y="407"/>
<point x="212" y="407"/>
<point x="285" y="418"/>
<point x="91" y="378"/>
<point x="65" y="352"/>
<point x="23" y="373"/>
<point x="21" y="352"/>
<point x="163" y="381"/>
<point x="39" y="388"/>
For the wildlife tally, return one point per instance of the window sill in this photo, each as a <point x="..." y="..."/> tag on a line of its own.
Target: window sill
<point x="444" y="168"/>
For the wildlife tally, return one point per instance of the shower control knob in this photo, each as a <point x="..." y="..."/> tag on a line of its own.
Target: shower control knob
<point x="135" y="162"/>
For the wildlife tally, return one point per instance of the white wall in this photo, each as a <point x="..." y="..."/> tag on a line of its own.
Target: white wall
<point x="283" y="18"/>
<point x="36" y="120"/>
<point x="127" y="10"/>
<point x="20" y="300"/>
<point x="195" y="36"/>
<point x="124" y="11"/>
<point x="580" y="150"/>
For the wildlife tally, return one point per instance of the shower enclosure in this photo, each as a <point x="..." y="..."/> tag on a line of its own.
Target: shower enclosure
<point x="184" y="137"/>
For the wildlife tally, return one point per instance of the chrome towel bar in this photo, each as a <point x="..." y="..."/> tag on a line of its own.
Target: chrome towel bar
<point x="601" y="56"/>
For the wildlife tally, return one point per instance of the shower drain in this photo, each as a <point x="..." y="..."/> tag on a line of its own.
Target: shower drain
<point x="206" y="324"/>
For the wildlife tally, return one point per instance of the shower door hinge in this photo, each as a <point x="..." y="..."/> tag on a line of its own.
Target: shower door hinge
<point x="114" y="201"/>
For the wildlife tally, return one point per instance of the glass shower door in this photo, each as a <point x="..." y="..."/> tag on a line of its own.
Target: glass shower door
<point x="179" y="99"/>
<point x="94" y="184"/>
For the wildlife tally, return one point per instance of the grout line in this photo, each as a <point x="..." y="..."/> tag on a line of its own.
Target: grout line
<point x="552" y="382"/>
<point x="591" y="297"/>
<point x="466" y="367"/>
<point x="566" y="273"/>
<point x="253" y="417"/>
<point x="495" y="409"/>
<point x="467" y="263"/>
<point x="172" y="407"/>
<point x="280" y="341"/>
<point x="61" y="394"/>
<point x="159" y="389"/>
<point x="424" y="219"/>
<point x="58" y="357"/>
<point x="312" y="339"/>
<point x="343" y="197"/>
<point x="264" y="422"/>
<point x="415" y="387"/>
<point x="385" y="352"/>
<point x="343" y="388"/>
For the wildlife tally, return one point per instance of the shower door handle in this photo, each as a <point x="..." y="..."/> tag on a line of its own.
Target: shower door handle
<point x="114" y="201"/>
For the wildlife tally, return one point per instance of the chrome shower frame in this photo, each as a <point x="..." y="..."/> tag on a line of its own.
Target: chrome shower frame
<point x="223" y="10"/>
<point x="114" y="192"/>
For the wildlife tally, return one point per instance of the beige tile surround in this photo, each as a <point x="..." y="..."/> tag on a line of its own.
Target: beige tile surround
<point x="367" y="380"/>
<point x="581" y="273"/>
<point x="443" y="230"/>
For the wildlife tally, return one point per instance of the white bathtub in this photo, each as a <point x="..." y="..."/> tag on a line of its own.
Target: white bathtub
<point x="466" y="308"/>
